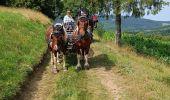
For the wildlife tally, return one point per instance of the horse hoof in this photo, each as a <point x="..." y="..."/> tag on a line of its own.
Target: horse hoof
<point x="55" y="71"/>
<point x="87" y="66"/>
<point x="65" y="69"/>
<point x="78" y="69"/>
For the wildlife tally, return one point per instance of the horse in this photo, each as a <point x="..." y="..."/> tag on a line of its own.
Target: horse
<point x="82" y="42"/>
<point x="56" y="39"/>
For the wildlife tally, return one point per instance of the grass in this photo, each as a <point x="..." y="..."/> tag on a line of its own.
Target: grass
<point x="22" y="45"/>
<point x="157" y="46"/>
<point x="34" y="16"/>
<point x="145" y="78"/>
<point x="81" y="85"/>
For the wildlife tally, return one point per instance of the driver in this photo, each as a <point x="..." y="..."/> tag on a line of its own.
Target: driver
<point x="68" y="17"/>
<point x="67" y="20"/>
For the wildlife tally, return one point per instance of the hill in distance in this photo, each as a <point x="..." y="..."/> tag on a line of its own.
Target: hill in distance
<point x="133" y="24"/>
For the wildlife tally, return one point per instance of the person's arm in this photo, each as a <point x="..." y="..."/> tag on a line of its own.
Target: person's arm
<point x="64" y="20"/>
<point x="72" y="19"/>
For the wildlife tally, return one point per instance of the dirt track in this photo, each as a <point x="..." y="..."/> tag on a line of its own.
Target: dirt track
<point x="42" y="83"/>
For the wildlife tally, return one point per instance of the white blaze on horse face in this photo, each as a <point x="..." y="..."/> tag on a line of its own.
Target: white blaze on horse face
<point x="55" y="47"/>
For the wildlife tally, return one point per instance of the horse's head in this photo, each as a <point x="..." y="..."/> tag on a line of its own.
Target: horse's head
<point x="83" y="23"/>
<point x="58" y="35"/>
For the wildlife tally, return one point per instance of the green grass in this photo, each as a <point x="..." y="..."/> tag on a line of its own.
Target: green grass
<point x="145" y="78"/>
<point x="21" y="47"/>
<point x="157" y="46"/>
<point x="72" y="85"/>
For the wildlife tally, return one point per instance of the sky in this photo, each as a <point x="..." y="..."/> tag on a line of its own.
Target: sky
<point x="163" y="15"/>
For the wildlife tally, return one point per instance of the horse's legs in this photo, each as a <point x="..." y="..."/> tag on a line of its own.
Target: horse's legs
<point x="82" y="54"/>
<point x="54" y="69"/>
<point x="64" y="63"/>
<point x="78" y="66"/>
<point x="52" y="59"/>
<point x="86" y="65"/>
<point x="58" y="61"/>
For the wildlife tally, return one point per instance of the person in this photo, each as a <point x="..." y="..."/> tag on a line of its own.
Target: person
<point x="68" y="21"/>
<point x="95" y="20"/>
<point x="68" y="17"/>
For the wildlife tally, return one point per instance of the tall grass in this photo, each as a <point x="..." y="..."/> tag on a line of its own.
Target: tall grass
<point x="21" y="47"/>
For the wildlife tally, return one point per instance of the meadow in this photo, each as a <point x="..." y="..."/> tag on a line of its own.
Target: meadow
<point x="22" y="44"/>
<point x="142" y="61"/>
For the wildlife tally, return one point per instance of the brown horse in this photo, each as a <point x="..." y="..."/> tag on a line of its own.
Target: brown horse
<point x="56" y="39"/>
<point x="82" y="41"/>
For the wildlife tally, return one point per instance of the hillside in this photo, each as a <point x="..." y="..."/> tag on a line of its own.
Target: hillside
<point x="164" y="30"/>
<point x="134" y="24"/>
<point x="21" y="44"/>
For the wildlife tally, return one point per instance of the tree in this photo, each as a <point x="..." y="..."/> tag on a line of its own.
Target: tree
<point x="137" y="8"/>
<point x="76" y="5"/>
<point x="48" y="7"/>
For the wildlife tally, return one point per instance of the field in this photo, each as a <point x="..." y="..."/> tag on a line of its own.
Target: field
<point x="143" y="61"/>
<point x="22" y="44"/>
<point x="155" y="45"/>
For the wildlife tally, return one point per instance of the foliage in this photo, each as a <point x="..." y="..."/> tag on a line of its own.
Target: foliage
<point x="152" y="45"/>
<point x="22" y="45"/>
<point x="149" y="46"/>
<point x="75" y="5"/>
<point x="48" y="7"/>
<point x="100" y="30"/>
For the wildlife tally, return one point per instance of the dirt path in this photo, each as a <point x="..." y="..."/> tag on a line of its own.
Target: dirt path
<point x="40" y="87"/>
<point x="43" y="82"/>
<point x="104" y="72"/>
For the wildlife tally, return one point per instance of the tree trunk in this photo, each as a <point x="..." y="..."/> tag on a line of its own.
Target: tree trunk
<point x="118" y="30"/>
<point x="117" y="9"/>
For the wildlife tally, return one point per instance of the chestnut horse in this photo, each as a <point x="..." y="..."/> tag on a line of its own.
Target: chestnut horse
<point x="56" y="39"/>
<point x="82" y="42"/>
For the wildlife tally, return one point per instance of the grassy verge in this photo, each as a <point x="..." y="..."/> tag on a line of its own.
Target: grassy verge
<point x="150" y="45"/>
<point x="21" y="45"/>
<point x="145" y="78"/>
